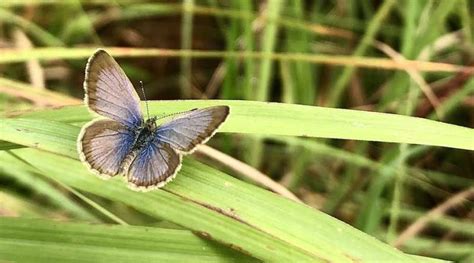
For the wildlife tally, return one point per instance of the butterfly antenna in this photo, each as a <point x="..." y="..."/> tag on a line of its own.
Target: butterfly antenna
<point x="175" y="113"/>
<point x="146" y="101"/>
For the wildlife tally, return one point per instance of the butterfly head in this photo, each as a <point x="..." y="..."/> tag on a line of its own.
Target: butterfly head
<point x="150" y="124"/>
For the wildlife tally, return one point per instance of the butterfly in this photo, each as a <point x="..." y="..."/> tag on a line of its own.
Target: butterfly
<point x="122" y="142"/>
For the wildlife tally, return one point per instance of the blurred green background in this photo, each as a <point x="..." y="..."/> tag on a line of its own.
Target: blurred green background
<point x="408" y="57"/>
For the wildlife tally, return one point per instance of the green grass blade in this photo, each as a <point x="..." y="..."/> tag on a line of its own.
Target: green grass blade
<point x="268" y="46"/>
<point x="24" y="90"/>
<point x="37" y="32"/>
<point x="372" y="29"/>
<point x="32" y="240"/>
<point x="231" y="65"/>
<point x="209" y="203"/>
<point x="265" y="70"/>
<point x="298" y="120"/>
<point x="249" y="46"/>
<point x="14" y="55"/>
<point x="186" y="44"/>
<point x="15" y="205"/>
<point x="175" y="205"/>
<point x="441" y="249"/>
<point x="26" y="175"/>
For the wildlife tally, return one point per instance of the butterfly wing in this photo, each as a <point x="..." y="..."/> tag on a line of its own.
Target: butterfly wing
<point x="103" y="145"/>
<point x="158" y="162"/>
<point x="109" y="92"/>
<point x="192" y="128"/>
<point x="154" y="166"/>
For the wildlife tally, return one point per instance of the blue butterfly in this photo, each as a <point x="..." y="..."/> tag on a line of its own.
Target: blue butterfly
<point x="123" y="143"/>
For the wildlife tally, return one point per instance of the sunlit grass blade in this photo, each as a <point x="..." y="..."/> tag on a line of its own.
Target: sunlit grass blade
<point x="30" y="240"/>
<point x="298" y="120"/>
<point x="13" y="55"/>
<point x="23" y="90"/>
<point x="208" y="202"/>
<point x="176" y="205"/>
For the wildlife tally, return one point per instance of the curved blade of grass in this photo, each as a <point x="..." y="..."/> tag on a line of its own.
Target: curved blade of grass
<point x="368" y="37"/>
<point x="443" y="222"/>
<point x="23" y="90"/>
<point x="174" y="207"/>
<point x="208" y="202"/>
<point x="13" y="55"/>
<point x="443" y="249"/>
<point x="36" y="31"/>
<point x="18" y="169"/>
<point x="265" y="70"/>
<point x="26" y="176"/>
<point x="32" y="240"/>
<point x="12" y="204"/>
<point x="162" y="204"/>
<point x="268" y="45"/>
<point x="309" y="121"/>
<point x="9" y="146"/>
<point x="186" y="44"/>
<point x="362" y="161"/>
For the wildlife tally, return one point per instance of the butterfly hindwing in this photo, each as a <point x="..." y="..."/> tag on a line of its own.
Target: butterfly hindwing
<point x="109" y="92"/>
<point x="103" y="145"/>
<point x="192" y="128"/>
<point x="154" y="165"/>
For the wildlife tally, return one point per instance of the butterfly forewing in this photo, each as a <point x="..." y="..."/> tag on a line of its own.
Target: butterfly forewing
<point x="109" y="92"/>
<point x="192" y="128"/>
<point x="104" y="144"/>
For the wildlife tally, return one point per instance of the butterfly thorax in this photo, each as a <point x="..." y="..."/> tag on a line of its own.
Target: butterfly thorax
<point x="144" y="134"/>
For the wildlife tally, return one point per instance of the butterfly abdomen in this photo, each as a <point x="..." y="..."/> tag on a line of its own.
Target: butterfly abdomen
<point x="127" y="161"/>
<point x="143" y="137"/>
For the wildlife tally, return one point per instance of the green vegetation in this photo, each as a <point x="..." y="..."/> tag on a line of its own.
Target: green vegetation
<point x="362" y="111"/>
